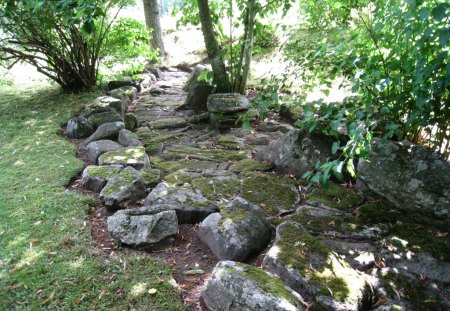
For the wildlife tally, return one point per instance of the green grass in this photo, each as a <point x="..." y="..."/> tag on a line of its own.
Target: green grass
<point x="47" y="260"/>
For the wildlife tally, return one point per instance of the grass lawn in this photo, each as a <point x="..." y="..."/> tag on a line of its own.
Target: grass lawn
<point x="46" y="257"/>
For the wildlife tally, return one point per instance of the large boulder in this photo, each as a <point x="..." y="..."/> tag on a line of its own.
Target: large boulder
<point x="315" y="271"/>
<point x="123" y="189"/>
<point x="105" y="131"/>
<point x="240" y="287"/>
<point x="297" y="152"/>
<point x="151" y="229"/>
<point x="190" y="205"/>
<point x="238" y="231"/>
<point x="409" y="177"/>
<point x="79" y="127"/>
<point x="130" y="156"/>
<point x="193" y="78"/>
<point x="97" y="148"/>
<point x="94" y="177"/>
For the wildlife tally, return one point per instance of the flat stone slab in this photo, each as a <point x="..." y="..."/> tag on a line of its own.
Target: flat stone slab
<point x="95" y="177"/>
<point x="129" y="139"/>
<point x="97" y="148"/>
<point x="240" y="287"/>
<point x="123" y="189"/>
<point x="168" y="123"/>
<point x="106" y="131"/>
<point x="220" y="155"/>
<point x="227" y="102"/>
<point x="130" y="156"/>
<point x="190" y="205"/>
<point x="151" y="229"/>
<point x="238" y="231"/>
<point x="100" y="118"/>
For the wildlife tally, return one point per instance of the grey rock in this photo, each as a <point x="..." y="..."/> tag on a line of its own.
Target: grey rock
<point x="197" y="118"/>
<point x="117" y="104"/>
<point x="309" y="268"/>
<point x="411" y="178"/>
<point x="258" y="139"/>
<point x="125" y="188"/>
<point x="131" y="156"/>
<point x="167" y="123"/>
<point x="100" y="118"/>
<point x="94" y="177"/>
<point x="112" y="85"/>
<point x="240" y="287"/>
<point x="237" y="232"/>
<point x="96" y="148"/>
<point x="105" y="131"/>
<point x="360" y="255"/>
<point x="227" y="103"/>
<point x="124" y="92"/>
<point x="193" y="78"/>
<point x="271" y="127"/>
<point x="150" y="229"/>
<point x="297" y="152"/>
<point x="79" y="127"/>
<point x="156" y="72"/>
<point x="151" y="177"/>
<point x="190" y="205"/>
<point x="129" y="139"/>
<point x="198" y="97"/>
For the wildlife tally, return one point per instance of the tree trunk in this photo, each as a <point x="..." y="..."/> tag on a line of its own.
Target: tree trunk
<point x="212" y="48"/>
<point x="247" y="48"/>
<point x="153" y="22"/>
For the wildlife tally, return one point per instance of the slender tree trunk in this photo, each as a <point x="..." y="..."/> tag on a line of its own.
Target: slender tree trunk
<point x="212" y="48"/>
<point x="153" y="22"/>
<point x="246" y="53"/>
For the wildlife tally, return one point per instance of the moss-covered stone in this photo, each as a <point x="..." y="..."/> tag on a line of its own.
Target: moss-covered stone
<point x="375" y="212"/>
<point x="335" y="196"/>
<point x="131" y="156"/>
<point x="250" y="165"/>
<point x="197" y="166"/>
<point x="124" y="178"/>
<point x="217" y="188"/>
<point x="128" y="92"/>
<point x="167" y="123"/>
<point x="180" y="178"/>
<point x="183" y="152"/>
<point x="422" y="238"/>
<point x="267" y="282"/>
<point x="273" y="193"/>
<point x="229" y="142"/>
<point x="104" y="117"/>
<point x="151" y="177"/>
<point x="151" y="139"/>
<point x="319" y="265"/>
<point x="131" y="121"/>
<point x="104" y="172"/>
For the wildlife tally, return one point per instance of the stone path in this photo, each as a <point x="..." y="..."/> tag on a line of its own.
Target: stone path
<point x="332" y="247"/>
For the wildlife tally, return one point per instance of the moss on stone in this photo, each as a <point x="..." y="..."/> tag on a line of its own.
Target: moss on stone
<point x="343" y="225"/>
<point x="423" y="238"/>
<point x="183" y="152"/>
<point x="197" y="166"/>
<point x="268" y="283"/>
<point x="180" y="177"/>
<point x="151" y="139"/>
<point x="151" y="177"/>
<point x="336" y="197"/>
<point x="228" y="142"/>
<point x="104" y="117"/>
<point x="124" y="178"/>
<point x="319" y="265"/>
<point x="213" y="188"/>
<point x="250" y="165"/>
<point x="103" y="172"/>
<point x="167" y="123"/>
<point x="375" y="212"/>
<point x="273" y="193"/>
<point x="124" y="156"/>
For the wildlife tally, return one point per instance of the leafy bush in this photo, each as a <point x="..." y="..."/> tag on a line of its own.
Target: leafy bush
<point x="126" y="44"/>
<point x="395" y="56"/>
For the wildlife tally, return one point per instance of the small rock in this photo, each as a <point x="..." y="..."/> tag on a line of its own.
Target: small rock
<point x="79" y="127"/>
<point x="276" y="127"/>
<point x="100" y="118"/>
<point x="194" y="272"/>
<point x="112" y="85"/>
<point x="156" y="72"/>
<point x="96" y="148"/>
<point x="105" y="131"/>
<point x="129" y="139"/>
<point x="125" y="188"/>
<point x="152" y="230"/>
<point x="237" y="232"/>
<point x="111" y="102"/>
<point x="230" y="142"/>
<point x="258" y="140"/>
<point x="94" y="177"/>
<point x="240" y="287"/>
<point x="130" y="156"/>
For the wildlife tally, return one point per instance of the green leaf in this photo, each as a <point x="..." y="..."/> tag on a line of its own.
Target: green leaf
<point x="335" y="147"/>
<point x="424" y="14"/>
<point x="444" y="36"/>
<point x="351" y="168"/>
<point x="439" y="12"/>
